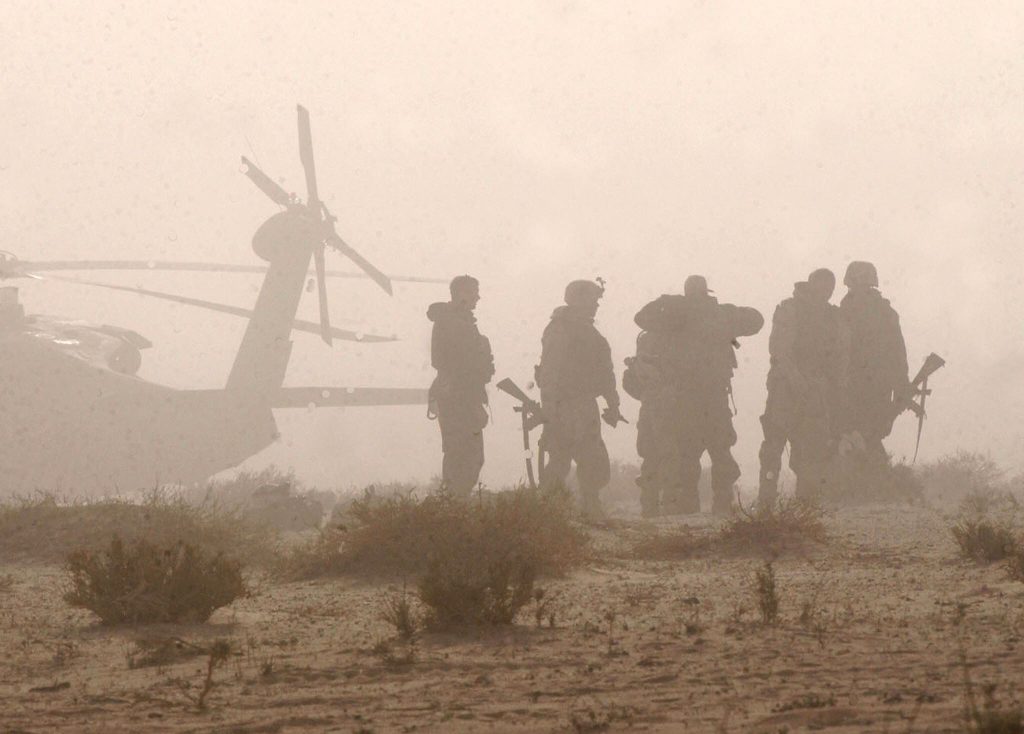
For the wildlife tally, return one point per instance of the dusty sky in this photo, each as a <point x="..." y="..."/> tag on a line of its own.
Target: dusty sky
<point x="530" y="144"/>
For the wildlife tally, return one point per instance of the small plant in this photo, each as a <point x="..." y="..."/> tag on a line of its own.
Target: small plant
<point x="218" y="654"/>
<point x="399" y="613"/>
<point x="766" y="591"/>
<point x="773" y="528"/>
<point x="142" y="583"/>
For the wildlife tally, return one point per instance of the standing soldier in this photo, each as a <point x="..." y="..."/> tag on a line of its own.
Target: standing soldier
<point x="654" y="377"/>
<point x="575" y="369"/>
<point x="458" y="397"/>
<point x="809" y="349"/>
<point x="878" y="379"/>
<point x="707" y="331"/>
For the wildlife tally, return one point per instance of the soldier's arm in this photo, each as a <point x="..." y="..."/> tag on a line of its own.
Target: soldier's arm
<point x="553" y="355"/>
<point x="783" y="335"/>
<point x="609" y="389"/>
<point x="746" y="321"/>
<point x="900" y="368"/>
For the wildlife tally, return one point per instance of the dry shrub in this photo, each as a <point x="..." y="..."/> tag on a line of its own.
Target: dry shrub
<point x="986" y="527"/>
<point x="46" y="528"/>
<point x="956" y="476"/>
<point x="983" y="540"/>
<point x="141" y="582"/>
<point x="6" y="582"/>
<point x="400" y="535"/>
<point x="771" y="529"/>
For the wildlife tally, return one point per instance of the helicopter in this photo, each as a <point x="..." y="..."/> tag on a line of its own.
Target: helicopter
<point x="76" y="417"/>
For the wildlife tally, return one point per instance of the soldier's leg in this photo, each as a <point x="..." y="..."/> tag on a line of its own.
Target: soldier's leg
<point x="555" y="443"/>
<point x="593" y="469"/>
<point x="462" y="423"/>
<point x="724" y="473"/>
<point x="646" y="448"/>
<point x="721" y="437"/>
<point x="770" y="456"/>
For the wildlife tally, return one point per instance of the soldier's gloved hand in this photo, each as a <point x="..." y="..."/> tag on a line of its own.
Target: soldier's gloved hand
<point x="612" y="416"/>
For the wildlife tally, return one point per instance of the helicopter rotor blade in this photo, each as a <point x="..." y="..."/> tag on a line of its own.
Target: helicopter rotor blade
<point x="321" y="290"/>
<point x="22" y="268"/>
<point x="367" y="267"/>
<point x="264" y="183"/>
<point x="297" y="325"/>
<point x="306" y="156"/>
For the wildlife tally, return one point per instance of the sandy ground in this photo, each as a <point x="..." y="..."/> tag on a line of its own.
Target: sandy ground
<point x="645" y="646"/>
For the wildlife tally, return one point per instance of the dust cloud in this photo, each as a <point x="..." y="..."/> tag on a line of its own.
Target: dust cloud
<point x="528" y="145"/>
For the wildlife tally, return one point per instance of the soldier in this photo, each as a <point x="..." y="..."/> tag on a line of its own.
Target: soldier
<point x="575" y="369"/>
<point x="654" y="377"/>
<point x="458" y="397"/>
<point x="707" y="332"/>
<point x="878" y="377"/>
<point x="809" y="350"/>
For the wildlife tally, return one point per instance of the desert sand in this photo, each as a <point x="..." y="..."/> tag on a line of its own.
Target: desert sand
<point x="872" y="626"/>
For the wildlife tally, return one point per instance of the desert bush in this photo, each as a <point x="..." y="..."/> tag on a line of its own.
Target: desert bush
<point x="983" y="540"/>
<point x="986" y="528"/>
<point x="767" y="594"/>
<point x="399" y="535"/>
<point x="773" y="528"/>
<point x="460" y="590"/>
<point x="140" y="582"/>
<point x="954" y="476"/>
<point x="46" y="528"/>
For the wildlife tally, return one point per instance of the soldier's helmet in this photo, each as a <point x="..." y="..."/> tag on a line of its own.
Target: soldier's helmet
<point x="861" y="273"/>
<point x="581" y="292"/>
<point x="696" y="285"/>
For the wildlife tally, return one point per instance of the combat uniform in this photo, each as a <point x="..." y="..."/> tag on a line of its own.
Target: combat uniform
<point x="877" y="375"/>
<point x="809" y="349"/>
<point x="464" y="363"/>
<point x="653" y="377"/>
<point x="575" y="369"/>
<point x="708" y="331"/>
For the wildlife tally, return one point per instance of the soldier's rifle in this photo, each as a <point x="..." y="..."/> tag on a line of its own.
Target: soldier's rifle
<point x="918" y="386"/>
<point x="532" y="416"/>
